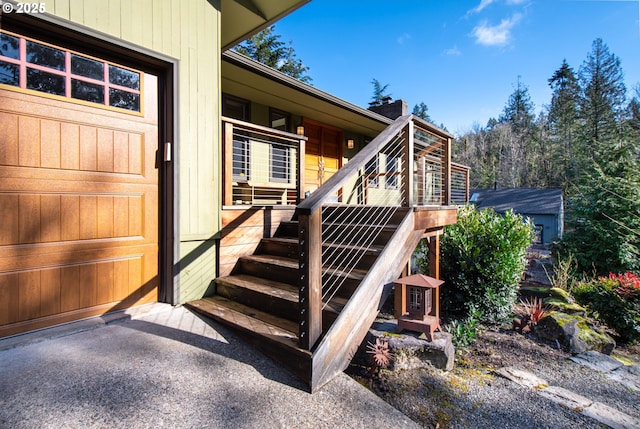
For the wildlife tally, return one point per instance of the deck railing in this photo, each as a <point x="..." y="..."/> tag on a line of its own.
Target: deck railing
<point x="262" y="166"/>
<point x="407" y="165"/>
<point x="459" y="184"/>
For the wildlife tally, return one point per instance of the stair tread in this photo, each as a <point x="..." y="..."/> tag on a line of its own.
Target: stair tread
<point x="293" y="263"/>
<point x="274" y="288"/>
<point x="265" y="286"/>
<point x="292" y="241"/>
<point x="274" y="259"/>
<point x="250" y="320"/>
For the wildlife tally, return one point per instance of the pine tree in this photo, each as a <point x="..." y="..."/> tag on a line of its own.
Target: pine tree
<point x="602" y="99"/>
<point x="563" y="124"/>
<point x="267" y="48"/>
<point x="519" y="152"/>
<point x="379" y="93"/>
<point x="421" y="111"/>
<point x="603" y="207"/>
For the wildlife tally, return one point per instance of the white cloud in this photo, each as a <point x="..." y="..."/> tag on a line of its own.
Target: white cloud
<point x="497" y="35"/>
<point x="483" y="4"/>
<point x="403" y="38"/>
<point x="452" y="52"/>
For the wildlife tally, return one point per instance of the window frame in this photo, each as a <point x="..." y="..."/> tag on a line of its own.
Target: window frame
<point x="69" y="76"/>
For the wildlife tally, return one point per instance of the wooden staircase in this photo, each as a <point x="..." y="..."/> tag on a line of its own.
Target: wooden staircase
<point x="260" y="298"/>
<point x="309" y="293"/>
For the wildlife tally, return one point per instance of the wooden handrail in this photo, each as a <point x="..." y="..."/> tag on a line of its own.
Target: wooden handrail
<point x="399" y="134"/>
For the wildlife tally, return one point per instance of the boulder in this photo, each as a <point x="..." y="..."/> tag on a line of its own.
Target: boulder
<point x="574" y="333"/>
<point x="413" y="350"/>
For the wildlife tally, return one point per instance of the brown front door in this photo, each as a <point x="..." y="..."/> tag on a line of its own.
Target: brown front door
<point x="323" y="153"/>
<point x="78" y="208"/>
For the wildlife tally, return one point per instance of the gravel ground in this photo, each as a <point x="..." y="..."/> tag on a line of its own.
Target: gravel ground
<point x="474" y="396"/>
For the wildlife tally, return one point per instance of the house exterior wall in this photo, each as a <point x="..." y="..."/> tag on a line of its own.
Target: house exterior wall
<point x="550" y="225"/>
<point x="188" y="30"/>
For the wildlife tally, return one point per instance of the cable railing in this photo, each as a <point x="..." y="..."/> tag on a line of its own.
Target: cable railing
<point x="407" y="165"/>
<point x="459" y="184"/>
<point x="262" y="166"/>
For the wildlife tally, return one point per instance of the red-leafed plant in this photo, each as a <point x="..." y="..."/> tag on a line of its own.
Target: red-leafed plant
<point x="381" y="355"/>
<point x="530" y="312"/>
<point x="615" y="301"/>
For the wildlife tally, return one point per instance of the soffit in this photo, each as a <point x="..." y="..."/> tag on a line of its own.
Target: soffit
<point x="243" y="18"/>
<point x="253" y="81"/>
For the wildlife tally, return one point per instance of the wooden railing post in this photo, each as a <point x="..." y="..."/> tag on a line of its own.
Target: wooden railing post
<point x="227" y="156"/>
<point x="300" y="182"/>
<point x="407" y="174"/>
<point x="447" y="173"/>
<point x="310" y="239"/>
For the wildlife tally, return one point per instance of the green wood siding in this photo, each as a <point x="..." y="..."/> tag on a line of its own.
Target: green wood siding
<point x="188" y="30"/>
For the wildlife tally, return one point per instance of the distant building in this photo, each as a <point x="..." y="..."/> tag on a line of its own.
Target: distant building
<point x="543" y="206"/>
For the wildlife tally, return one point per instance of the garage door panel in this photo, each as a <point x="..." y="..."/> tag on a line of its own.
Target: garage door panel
<point x="78" y="210"/>
<point x="45" y="143"/>
<point x="30" y="218"/>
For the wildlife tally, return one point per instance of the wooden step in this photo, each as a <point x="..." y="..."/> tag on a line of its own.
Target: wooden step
<point x="270" y="296"/>
<point x="273" y="336"/>
<point x="289" y="248"/>
<point x="270" y="267"/>
<point x="285" y="270"/>
<point x="287" y="229"/>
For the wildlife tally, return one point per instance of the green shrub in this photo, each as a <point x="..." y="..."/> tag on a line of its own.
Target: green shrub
<point x="465" y="331"/>
<point x="615" y="301"/>
<point x="483" y="257"/>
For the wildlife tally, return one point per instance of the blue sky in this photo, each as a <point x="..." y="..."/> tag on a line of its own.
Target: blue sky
<point x="462" y="58"/>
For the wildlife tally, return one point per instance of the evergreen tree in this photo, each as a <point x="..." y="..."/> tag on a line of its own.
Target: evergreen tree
<point x="379" y="93"/>
<point x="267" y="48"/>
<point x="519" y="155"/>
<point x="421" y="111"/>
<point x="602" y="99"/>
<point x="603" y="208"/>
<point x="562" y="122"/>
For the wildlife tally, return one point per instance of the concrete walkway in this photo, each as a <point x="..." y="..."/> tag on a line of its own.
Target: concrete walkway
<point x="166" y="368"/>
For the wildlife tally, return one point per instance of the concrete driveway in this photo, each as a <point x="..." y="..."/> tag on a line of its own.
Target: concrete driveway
<point x="166" y="368"/>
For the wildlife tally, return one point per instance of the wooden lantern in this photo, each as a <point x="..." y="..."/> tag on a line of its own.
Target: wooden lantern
<point x="419" y="297"/>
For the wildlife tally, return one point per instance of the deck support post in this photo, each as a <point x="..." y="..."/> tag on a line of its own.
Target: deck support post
<point x="434" y="266"/>
<point x="310" y="238"/>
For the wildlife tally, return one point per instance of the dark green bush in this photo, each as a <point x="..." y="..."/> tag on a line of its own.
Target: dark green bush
<point x="614" y="301"/>
<point x="483" y="257"/>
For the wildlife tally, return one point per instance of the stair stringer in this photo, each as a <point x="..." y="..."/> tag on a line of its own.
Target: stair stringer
<point x="338" y="346"/>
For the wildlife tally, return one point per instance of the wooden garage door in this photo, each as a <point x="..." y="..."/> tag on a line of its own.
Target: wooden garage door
<point x="78" y="197"/>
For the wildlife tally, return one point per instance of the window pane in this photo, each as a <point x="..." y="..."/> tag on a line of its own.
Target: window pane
<point x="45" y="56"/>
<point x="86" y="67"/>
<point x="279" y="163"/>
<point x="240" y="160"/>
<point x="9" y="74"/>
<point x="45" y="82"/>
<point x="123" y="77"/>
<point x="87" y="91"/>
<point x="9" y="46"/>
<point x="124" y="99"/>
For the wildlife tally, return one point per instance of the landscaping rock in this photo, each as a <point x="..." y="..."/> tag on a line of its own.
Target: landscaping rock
<point x="411" y="351"/>
<point x="564" y="306"/>
<point x="573" y="333"/>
